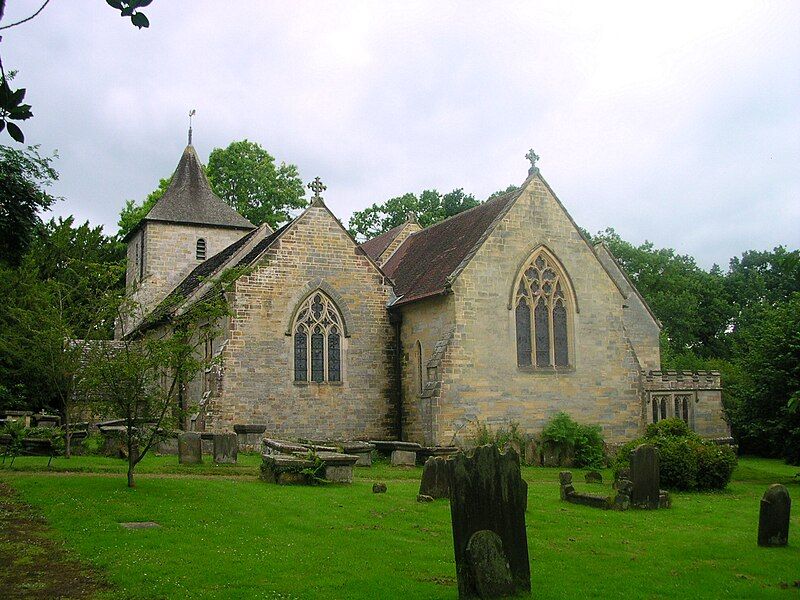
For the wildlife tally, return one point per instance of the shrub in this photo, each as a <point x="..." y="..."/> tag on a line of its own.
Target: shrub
<point x="501" y="437"/>
<point x="687" y="461"/>
<point x="93" y="444"/>
<point x="585" y="442"/>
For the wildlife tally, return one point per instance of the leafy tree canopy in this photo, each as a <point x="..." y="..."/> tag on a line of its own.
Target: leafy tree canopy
<point x="246" y="177"/>
<point x="429" y="207"/>
<point x="23" y="176"/>
<point x="132" y="212"/>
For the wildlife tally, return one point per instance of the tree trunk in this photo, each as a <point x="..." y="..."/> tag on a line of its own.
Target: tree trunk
<point x="67" y="436"/>
<point x="130" y="475"/>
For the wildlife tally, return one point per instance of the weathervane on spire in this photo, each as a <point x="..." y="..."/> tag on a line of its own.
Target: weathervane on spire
<point x="533" y="157"/>
<point x="191" y="114"/>
<point x="316" y="186"/>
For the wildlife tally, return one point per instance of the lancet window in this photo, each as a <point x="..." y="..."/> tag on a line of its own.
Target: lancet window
<point x="318" y="340"/>
<point x="200" y="249"/>
<point x="543" y="314"/>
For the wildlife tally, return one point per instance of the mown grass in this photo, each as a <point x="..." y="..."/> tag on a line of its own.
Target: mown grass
<point x="240" y="538"/>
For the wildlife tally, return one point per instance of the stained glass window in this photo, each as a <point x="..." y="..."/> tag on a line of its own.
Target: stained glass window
<point x="321" y="359"/>
<point x="300" y="355"/>
<point x="334" y="363"/>
<point x="543" y="338"/>
<point x="523" y="334"/>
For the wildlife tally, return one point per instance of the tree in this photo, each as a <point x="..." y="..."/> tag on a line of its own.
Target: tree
<point x="430" y="207"/>
<point x="23" y="175"/>
<point x="246" y="177"/>
<point x="133" y="213"/>
<point x="11" y="107"/>
<point x="141" y="377"/>
<point x="692" y="304"/>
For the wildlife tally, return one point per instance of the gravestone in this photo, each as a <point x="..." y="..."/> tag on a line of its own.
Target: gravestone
<point x="593" y="477"/>
<point x="189" y="448"/>
<point x="435" y="478"/>
<point x="487" y="492"/>
<point x="773" y="518"/>
<point x="489" y="566"/>
<point x="403" y="458"/>
<point x="646" y="477"/>
<point x="378" y="488"/>
<point x="226" y="448"/>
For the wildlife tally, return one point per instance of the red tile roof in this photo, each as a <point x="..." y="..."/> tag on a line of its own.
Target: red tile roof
<point x="378" y="245"/>
<point x="423" y="265"/>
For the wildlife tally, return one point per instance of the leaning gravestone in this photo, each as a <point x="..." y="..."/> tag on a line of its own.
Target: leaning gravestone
<point x="646" y="477"/>
<point x="190" y="448"/>
<point x="435" y="478"/>
<point x="773" y="519"/>
<point x="488" y="495"/>
<point x="226" y="448"/>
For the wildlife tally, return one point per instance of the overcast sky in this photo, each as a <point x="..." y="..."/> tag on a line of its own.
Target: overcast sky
<point x="679" y="124"/>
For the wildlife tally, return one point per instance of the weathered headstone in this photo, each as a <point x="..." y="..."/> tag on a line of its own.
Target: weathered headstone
<point x="565" y="479"/>
<point x="531" y="452"/>
<point x="773" y="518"/>
<point x="593" y="477"/>
<point x="226" y="448"/>
<point x="403" y="458"/>
<point x="378" y="488"/>
<point x="487" y="492"/>
<point x="189" y="448"/>
<point x="646" y="477"/>
<point x="424" y="498"/>
<point x="489" y="566"/>
<point x="435" y="478"/>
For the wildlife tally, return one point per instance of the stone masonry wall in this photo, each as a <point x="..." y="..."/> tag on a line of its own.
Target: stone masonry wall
<point x="603" y="387"/>
<point x="258" y="385"/>
<point x="641" y="328"/>
<point x="703" y="388"/>
<point x="169" y="257"/>
<point x="427" y="322"/>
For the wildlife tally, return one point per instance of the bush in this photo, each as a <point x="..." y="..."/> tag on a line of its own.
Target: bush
<point x="93" y="444"/>
<point x="501" y="437"/>
<point x="585" y="442"/>
<point x="687" y="461"/>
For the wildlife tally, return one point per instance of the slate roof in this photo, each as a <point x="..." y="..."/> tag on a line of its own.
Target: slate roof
<point x="189" y="199"/>
<point x="426" y="261"/>
<point x="378" y="245"/>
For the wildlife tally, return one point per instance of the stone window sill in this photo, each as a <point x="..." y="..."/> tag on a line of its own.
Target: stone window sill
<point x="307" y="383"/>
<point x="547" y="370"/>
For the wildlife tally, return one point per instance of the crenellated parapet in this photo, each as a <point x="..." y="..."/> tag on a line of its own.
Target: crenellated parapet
<point x="681" y="380"/>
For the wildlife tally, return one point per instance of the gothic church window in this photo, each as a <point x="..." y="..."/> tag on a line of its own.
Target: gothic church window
<point x="200" y="249"/>
<point x="543" y="314"/>
<point x="317" y="335"/>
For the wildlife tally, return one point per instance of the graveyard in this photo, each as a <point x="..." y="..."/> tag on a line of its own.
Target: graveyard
<point x="218" y="531"/>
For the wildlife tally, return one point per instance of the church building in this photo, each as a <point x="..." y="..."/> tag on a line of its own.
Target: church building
<point x="503" y="313"/>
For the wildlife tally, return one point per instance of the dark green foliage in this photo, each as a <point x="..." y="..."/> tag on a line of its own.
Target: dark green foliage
<point x="129" y="8"/>
<point x="12" y="109"/>
<point x="584" y="441"/>
<point x="23" y="176"/>
<point x="429" y="207"/>
<point x="687" y="462"/>
<point x="502" y="437"/>
<point x="246" y="177"/>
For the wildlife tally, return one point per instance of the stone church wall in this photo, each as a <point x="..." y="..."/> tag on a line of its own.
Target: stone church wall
<point x="603" y="385"/>
<point x="169" y="256"/>
<point x="426" y="322"/>
<point x="642" y="329"/>
<point x="258" y="385"/>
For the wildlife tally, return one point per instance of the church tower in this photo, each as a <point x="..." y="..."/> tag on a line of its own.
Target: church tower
<point x="188" y="225"/>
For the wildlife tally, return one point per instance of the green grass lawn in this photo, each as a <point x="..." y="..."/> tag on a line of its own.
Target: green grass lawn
<point x="235" y="537"/>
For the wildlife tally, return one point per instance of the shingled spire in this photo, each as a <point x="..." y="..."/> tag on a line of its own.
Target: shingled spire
<point x="189" y="199"/>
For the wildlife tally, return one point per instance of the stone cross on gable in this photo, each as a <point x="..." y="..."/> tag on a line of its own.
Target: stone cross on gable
<point x="317" y="186"/>
<point x="533" y="157"/>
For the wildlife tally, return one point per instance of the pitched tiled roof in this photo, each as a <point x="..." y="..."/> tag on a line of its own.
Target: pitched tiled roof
<point x="423" y="264"/>
<point x="378" y="245"/>
<point x="189" y="199"/>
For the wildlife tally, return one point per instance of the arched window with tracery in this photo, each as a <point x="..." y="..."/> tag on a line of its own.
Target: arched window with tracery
<point x="543" y="314"/>
<point x="317" y="334"/>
